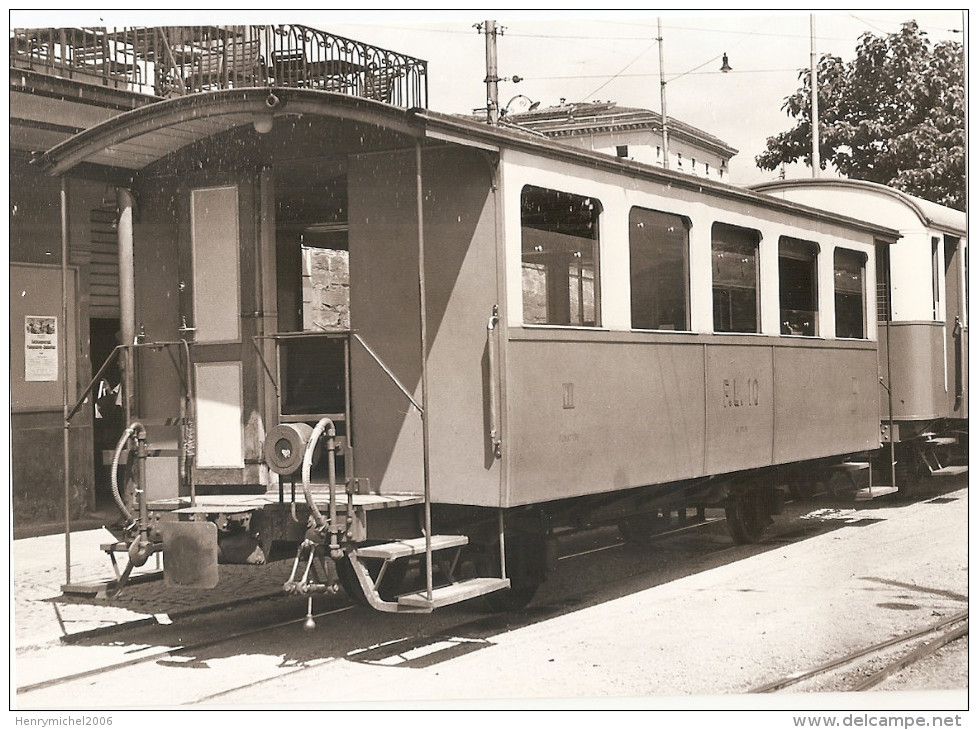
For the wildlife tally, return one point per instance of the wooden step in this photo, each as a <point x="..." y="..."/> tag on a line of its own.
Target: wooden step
<point x="868" y="493"/>
<point x="454" y="593"/>
<point x="852" y="465"/>
<point x="101" y="588"/>
<point x="407" y="548"/>
<point x="949" y="471"/>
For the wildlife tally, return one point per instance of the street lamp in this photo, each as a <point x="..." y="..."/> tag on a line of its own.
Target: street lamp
<point x="725" y="68"/>
<point x="526" y="105"/>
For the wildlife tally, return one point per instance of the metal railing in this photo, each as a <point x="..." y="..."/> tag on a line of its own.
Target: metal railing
<point x="177" y="60"/>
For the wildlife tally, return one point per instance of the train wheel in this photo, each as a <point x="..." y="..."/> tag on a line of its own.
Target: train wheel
<point x="747" y="516"/>
<point x="908" y="480"/>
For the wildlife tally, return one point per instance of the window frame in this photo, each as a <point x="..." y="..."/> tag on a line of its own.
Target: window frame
<point x="791" y="248"/>
<point x="686" y="224"/>
<point x="756" y="236"/>
<point x="575" y="319"/>
<point x="862" y="258"/>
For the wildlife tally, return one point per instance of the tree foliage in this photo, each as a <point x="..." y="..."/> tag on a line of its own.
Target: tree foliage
<point x="893" y="115"/>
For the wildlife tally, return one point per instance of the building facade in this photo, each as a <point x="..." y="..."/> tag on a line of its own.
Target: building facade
<point x="632" y="134"/>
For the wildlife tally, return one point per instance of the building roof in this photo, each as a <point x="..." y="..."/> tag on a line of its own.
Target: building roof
<point x="578" y="119"/>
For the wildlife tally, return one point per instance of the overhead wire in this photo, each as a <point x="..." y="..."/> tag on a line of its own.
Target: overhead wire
<point x="595" y="39"/>
<point x="620" y="73"/>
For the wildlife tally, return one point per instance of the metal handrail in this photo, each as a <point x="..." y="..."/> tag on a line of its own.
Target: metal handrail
<point x="98" y="376"/>
<point x="388" y="371"/>
<point x="179" y="60"/>
<point x="495" y="441"/>
<point x="112" y="355"/>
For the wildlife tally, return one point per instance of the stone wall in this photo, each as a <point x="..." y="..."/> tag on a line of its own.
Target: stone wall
<point x="325" y="289"/>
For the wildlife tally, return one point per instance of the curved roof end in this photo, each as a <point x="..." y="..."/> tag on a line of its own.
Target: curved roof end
<point x="930" y="214"/>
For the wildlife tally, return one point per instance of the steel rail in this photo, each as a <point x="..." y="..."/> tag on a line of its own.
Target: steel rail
<point x="56" y="681"/>
<point x="913" y="657"/>
<point x="803" y="675"/>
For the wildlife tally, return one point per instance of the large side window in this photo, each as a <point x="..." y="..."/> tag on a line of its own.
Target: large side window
<point x="735" y="290"/>
<point x="659" y="257"/>
<point x="797" y="286"/>
<point x="560" y="258"/>
<point x="850" y="293"/>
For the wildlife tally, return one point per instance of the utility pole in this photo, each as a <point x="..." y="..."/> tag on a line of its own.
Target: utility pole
<point x="662" y="96"/>
<point x="492" y="78"/>
<point x="816" y="161"/>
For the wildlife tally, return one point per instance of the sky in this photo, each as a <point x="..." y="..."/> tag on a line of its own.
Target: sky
<point x="601" y="55"/>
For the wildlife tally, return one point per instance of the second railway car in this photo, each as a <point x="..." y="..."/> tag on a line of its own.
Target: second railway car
<point x="367" y="338"/>
<point x="922" y="313"/>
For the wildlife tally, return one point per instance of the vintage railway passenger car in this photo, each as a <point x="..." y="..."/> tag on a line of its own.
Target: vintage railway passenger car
<point x="513" y="337"/>
<point x="922" y="310"/>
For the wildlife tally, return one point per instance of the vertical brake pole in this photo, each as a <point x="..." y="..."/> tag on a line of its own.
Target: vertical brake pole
<point x="424" y="371"/>
<point x="63" y="337"/>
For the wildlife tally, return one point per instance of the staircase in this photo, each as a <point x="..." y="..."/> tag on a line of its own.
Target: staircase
<point x="928" y="451"/>
<point x="422" y="601"/>
<point x="920" y="454"/>
<point x="864" y="494"/>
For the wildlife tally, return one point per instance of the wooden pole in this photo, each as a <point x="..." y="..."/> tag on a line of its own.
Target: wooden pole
<point x="492" y="77"/>
<point x="816" y="160"/>
<point x="662" y="99"/>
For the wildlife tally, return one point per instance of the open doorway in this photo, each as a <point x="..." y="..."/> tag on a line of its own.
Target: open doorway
<point x="313" y="290"/>
<point x="109" y="413"/>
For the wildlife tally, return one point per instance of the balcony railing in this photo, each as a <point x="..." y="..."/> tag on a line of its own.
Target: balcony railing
<point x="177" y="60"/>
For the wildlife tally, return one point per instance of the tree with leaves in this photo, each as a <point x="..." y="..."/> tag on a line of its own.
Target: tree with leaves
<point x="893" y="115"/>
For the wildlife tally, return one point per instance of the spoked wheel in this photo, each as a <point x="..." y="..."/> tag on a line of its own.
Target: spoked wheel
<point x="747" y="516"/>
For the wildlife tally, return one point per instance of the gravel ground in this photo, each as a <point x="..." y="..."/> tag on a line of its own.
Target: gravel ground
<point x="700" y="641"/>
<point x="722" y="632"/>
<point x="947" y="667"/>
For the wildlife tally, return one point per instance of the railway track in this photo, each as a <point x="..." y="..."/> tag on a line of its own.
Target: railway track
<point x="192" y="648"/>
<point x="481" y="626"/>
<point x="162" y="654"/>
<point x="865" y="668"/>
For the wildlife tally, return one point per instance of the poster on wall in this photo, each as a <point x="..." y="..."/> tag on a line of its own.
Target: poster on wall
<point x="40" y="348"/>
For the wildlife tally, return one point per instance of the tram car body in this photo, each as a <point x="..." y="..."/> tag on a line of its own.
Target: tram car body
<point x="534" y="337"/>
<point x="922" y="308"/>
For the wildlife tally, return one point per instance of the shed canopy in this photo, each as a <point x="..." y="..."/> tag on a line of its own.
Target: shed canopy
<point x="133" y="140"/>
